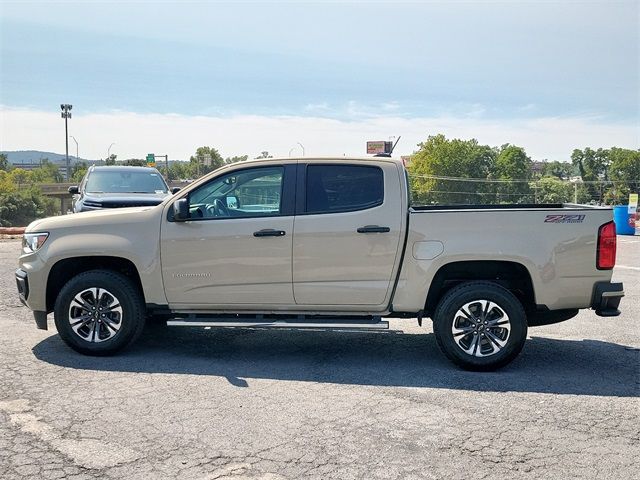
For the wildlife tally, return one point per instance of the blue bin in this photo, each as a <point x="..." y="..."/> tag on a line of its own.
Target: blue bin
<point x="621" y="219"/>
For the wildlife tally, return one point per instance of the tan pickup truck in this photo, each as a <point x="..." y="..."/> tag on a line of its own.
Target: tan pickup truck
<point x="319" y="243"/>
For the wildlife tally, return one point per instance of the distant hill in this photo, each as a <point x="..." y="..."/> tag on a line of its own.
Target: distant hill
<point x="35" y="156"/>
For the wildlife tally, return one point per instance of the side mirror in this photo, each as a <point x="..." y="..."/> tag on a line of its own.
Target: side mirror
<point x="73" y="190"/>
<point x="181" y="210"/>
<point x="175" y="190"/>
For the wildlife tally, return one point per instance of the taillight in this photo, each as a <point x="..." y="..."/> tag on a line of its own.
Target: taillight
<point x="606" y="256"/>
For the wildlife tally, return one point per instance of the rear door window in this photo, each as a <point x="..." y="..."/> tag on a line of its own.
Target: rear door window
<point x="343" y="188"/>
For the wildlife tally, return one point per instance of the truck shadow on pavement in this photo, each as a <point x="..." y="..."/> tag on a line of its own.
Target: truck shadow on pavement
<point x="393" y="358"/>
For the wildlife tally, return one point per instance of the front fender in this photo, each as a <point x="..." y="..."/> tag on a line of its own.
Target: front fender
<point x="134" y="237"/>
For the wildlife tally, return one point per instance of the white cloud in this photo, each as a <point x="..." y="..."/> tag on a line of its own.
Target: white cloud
<point x="178" y="136"/>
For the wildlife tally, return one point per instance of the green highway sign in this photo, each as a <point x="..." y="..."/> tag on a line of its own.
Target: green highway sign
<point x="151" y="159"/>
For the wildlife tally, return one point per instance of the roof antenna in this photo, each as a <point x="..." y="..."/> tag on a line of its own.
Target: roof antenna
<point x="394" y="145"/>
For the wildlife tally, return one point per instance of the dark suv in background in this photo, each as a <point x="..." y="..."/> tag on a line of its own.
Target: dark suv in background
<point x="116" y="187"/>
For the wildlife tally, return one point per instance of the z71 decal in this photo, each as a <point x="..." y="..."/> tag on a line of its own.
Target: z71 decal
<point x="564" y="218"/>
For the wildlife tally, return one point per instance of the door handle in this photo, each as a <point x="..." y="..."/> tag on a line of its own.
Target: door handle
<point x="373" y="229"/>
<point x="269" y="232"/>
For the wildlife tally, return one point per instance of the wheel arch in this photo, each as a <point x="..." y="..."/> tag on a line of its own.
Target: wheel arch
<point x="513" y="276"/>
<point x="67" y="268"/>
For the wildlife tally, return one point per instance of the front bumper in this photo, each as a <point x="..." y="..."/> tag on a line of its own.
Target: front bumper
<point x="23" y="285"/>
<point x="22" y="282"/>
<point x="606" y="298"/>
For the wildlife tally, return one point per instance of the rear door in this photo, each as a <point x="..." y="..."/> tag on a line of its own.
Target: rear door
<point x="346" y="233"/>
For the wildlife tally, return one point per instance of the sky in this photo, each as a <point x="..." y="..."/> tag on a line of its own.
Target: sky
<point x="244" y="77"/>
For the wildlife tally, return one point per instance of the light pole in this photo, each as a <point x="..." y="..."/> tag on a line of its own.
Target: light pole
<point x="109" y="150"/>
<point x="293" y="148"/>
<point x="66" y="114"/>
<point x="74" y="139"/>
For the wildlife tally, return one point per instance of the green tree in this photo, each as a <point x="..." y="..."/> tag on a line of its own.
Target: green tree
<point x="18" y="209"/>
<point x="592" y="165"/>
<point x="180" y="170"/>
<point x="561" y="170"/>
<point x="206" y="160"/>
<point x="440" y="157"/>
<point x="47" y="172"/>
<point x="78" y="171"/>
<point x="624" y="172"/>
<point x="111" y="160"/>
<point x="6" y="183"/>
<point x="21" y="177"/>
<point x="4" y="162"/>
<point x="553" y="190"/>
<point x="513" y="166"/>
<point x="264" y="154"/>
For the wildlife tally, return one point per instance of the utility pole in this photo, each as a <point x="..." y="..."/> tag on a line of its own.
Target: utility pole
<point x="66" y="114"/>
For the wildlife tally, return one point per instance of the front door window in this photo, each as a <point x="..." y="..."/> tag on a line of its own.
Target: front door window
<point x="255" y="192"/>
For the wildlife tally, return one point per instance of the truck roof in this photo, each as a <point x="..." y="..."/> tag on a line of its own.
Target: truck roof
<point x="325" y="158"/>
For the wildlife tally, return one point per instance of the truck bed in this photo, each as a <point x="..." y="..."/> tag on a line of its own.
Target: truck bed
<point x="552" y="244"/>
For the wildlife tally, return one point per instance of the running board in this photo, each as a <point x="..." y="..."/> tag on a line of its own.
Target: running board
<point x="298" y="322"/>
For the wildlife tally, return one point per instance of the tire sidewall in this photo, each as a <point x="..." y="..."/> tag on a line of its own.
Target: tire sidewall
<point x="130" y="301"/>
<point x="459" y="296"/>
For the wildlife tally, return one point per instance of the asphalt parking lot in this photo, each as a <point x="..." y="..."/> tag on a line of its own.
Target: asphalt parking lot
<point x="218" y="404"/>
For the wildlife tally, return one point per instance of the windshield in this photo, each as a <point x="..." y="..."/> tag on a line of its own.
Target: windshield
<point x="118" y="181"/>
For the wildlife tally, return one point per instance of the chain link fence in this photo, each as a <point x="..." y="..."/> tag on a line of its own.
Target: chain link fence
<point x="437" y="190"/>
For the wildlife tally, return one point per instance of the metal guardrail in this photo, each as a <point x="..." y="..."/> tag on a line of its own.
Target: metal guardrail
<point x="55" y="189"/>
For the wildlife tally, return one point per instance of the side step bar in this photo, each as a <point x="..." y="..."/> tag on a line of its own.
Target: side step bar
<point x="297" y="322"/>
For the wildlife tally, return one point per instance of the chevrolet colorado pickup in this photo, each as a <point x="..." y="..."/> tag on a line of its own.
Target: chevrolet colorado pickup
<point x="319" y="243"/>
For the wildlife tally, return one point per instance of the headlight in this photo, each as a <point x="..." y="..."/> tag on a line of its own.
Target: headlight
<point x="31" y="242"/>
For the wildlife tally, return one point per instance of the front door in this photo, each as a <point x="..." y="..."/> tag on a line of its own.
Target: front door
<point x="347" y="234"/>
<point x="236" y="246"/>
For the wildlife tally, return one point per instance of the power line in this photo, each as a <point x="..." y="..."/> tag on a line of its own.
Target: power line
<point x="501" y="180"/>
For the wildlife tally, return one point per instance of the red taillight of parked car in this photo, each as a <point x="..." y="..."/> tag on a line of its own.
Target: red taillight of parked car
<point x="606" y="256"/>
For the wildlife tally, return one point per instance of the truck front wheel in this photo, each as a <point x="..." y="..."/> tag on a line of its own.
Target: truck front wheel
<point x="99" y="312"/>
<point x="480" y="326"/>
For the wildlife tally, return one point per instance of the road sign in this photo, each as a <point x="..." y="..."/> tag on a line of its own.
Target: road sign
<point x="151" y="160"/>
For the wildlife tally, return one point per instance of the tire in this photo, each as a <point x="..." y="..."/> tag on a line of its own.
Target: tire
<point x="491" y="333"/>
<point x="104" y="327"/>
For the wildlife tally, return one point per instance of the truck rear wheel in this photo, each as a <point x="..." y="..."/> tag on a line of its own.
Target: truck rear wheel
<point x="480" y="326"/>
<point x="99" y="312"/>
